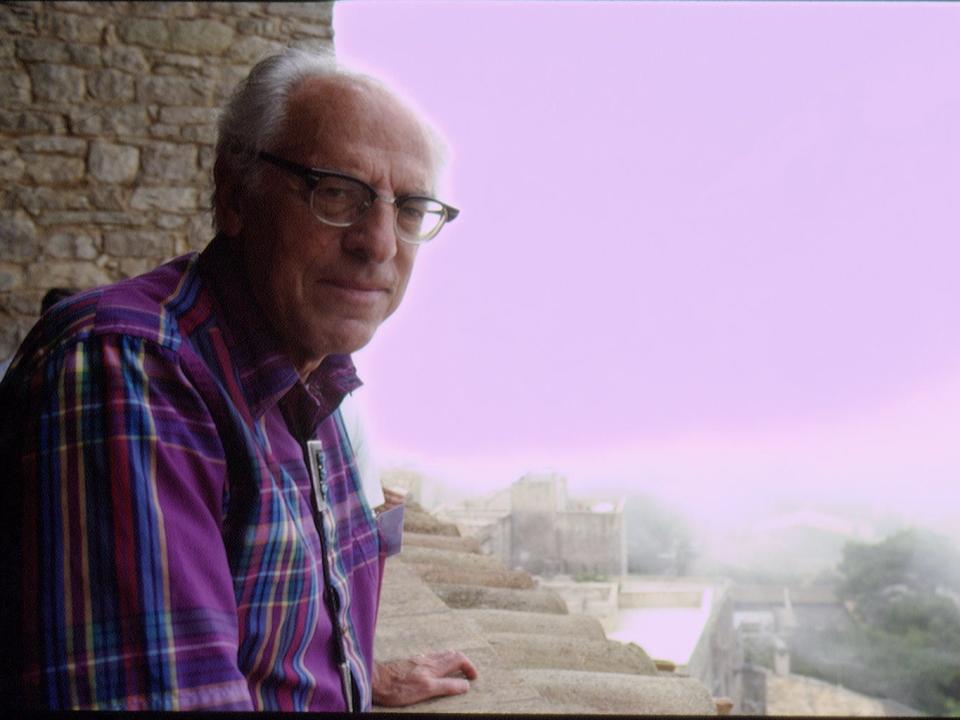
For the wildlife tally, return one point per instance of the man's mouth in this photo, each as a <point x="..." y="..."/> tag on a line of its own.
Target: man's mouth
<point x="356" y="291"/>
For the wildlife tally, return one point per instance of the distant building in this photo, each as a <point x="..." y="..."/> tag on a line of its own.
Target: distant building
<point x="537" y="527"/>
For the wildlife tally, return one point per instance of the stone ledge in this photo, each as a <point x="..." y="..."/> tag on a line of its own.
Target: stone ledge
<point x="618" y="693"/>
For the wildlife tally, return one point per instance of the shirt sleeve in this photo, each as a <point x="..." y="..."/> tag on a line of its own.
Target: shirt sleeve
<point x="127" y="596"/>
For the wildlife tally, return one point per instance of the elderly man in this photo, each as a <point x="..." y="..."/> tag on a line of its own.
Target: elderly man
<point x="186" y="526"/>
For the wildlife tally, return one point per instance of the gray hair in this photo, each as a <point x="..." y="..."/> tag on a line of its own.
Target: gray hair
<point x="255" y="116"/>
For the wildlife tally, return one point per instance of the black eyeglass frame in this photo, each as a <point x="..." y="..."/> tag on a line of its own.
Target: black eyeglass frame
<point x="313" y="176"/>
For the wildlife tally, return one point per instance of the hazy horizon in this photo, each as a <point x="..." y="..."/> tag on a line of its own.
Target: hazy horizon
<point x="707" y="252"/>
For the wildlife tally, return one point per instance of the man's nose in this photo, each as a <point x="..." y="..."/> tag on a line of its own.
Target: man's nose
<point x="374" y="236"/>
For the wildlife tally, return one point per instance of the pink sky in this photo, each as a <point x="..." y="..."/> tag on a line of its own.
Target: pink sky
<point x="690" y="230"/>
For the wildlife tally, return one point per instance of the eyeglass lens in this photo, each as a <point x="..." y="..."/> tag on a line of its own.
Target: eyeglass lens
<point x="342" y="201"/>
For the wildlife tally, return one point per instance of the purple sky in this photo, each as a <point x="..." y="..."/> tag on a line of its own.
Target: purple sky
<point x="701" y="244"/>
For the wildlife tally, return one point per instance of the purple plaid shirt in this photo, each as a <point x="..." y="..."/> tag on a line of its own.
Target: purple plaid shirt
<point x="157" y="493"/>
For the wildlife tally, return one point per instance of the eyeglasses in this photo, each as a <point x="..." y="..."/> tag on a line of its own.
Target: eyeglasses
<point x="340" y="200"/>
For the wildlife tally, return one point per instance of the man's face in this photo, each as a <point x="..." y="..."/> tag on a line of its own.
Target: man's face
<point x="327" y="289"/>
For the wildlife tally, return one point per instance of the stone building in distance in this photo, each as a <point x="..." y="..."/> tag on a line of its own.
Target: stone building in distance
<point x="536" y="526"/>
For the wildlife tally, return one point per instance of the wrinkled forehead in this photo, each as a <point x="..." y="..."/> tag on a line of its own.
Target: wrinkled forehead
<point x="329" y="115"/>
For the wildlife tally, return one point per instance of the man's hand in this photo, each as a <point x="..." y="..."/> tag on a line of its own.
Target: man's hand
<point x="393" y="496"/>
<point x="405" y="682"/>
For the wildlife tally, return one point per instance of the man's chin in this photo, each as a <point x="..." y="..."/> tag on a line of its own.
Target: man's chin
<point x="348" y="337"/>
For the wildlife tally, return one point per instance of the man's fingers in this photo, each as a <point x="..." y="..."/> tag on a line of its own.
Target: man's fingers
<point x="449" y="686"/>
<point x="450" y="662"/>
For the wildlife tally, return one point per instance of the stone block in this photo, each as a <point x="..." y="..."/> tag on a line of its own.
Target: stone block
<point x="317" y="11"/>
<point x="110" y="86"/>
<point x="475" y="596"/>
<point x="170" y="222"/>
<point x="172" y="91"/>
<point x="15" y="86"/>
<point x="175" y="63"/>
<point x="262" y="27"/>
<point x="169" y="161"/>
<point x="165" y="9"/>
<point x="199" y="231"/>
<point x="527" y="650"/>
<point x="621" y="692"/>
<point x="450" y="558"/>
<point x="138" y="243"/>
<point x="53" y="169"/>
<point x="39" y="200"/>
<point x="188" y="115"/>
<point x="128" y="120"/>
<point x="165" y="132"/>
<point x="420" y="522"/>
<point x="29" y="121"/>
<point x="18" y="236"/>
<point x="207" y="37"/>
<point x="312" y="44"/>
<point x="84" y="55"/>
<point x="500" y="577"/>
<point x="27" y="303"/>
<point x="109" y="197"/>
<point x="234" y="9"/>
<point x="11" y="277"/>
<point x="84" y="8"/>
<point x="112" y="163"/>
<point x="131" y="267"/>
<point x="202" y="134"/>
<point x="17" y="20"/>
<point x="297" y="30"/>
<point x="66" y="273"/>
<point x="207" y="157"/>
<point x="252" y="48"/>
<point x="57" y="83"/>
<point x="8" y="56"/>
<point x="41" y="50"/>
<point x="168" y="199"/>
<point x="59" y="144"/>
<point x="72" y="28"/>
<point x="229" y="77"/>
<point x="129" y="59"/>
<point x="11" y="166"/>
<point x="75" y="244"/>
<point x="514" y="621"/>
<point x="442" y="542"/>
<point x="144" y="32"/>
<point x="89" y="217"/>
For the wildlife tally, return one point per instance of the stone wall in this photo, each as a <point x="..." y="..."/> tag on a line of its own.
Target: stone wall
<point x="593" y="543"/>
<point x="717" y="660"/>
<point x="107" y="128"/>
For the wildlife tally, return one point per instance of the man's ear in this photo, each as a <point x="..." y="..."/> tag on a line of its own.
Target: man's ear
<point x="227" y="204"/>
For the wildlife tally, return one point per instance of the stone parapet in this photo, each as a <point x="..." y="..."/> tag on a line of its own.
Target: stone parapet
<point x="620" y="693"/>
<point x="513" y="621"/>
<point x="466" y="596"/>
<point x="528" y="650"/>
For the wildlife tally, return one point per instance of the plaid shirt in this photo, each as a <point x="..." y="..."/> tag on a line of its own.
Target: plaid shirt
<point x="160" y="549"/>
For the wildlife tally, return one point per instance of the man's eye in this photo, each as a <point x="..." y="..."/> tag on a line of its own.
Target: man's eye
<point x="412" y="213"/>
<point x="334" y="193"/>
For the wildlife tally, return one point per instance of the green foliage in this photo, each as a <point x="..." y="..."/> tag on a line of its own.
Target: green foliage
<point x="906" y="643"/>
<point x="918" y="559"/>
<point x="758" y="650"/>
<point x="590" y="577"/>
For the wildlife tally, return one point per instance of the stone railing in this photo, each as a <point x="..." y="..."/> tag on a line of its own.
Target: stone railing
<point x="107" y="129"/>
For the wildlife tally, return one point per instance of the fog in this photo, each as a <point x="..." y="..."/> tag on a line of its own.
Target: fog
<point x="707" y="252"/>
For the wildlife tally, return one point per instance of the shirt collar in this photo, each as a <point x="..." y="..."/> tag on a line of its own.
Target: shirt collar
<point x="265" y="373"/>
